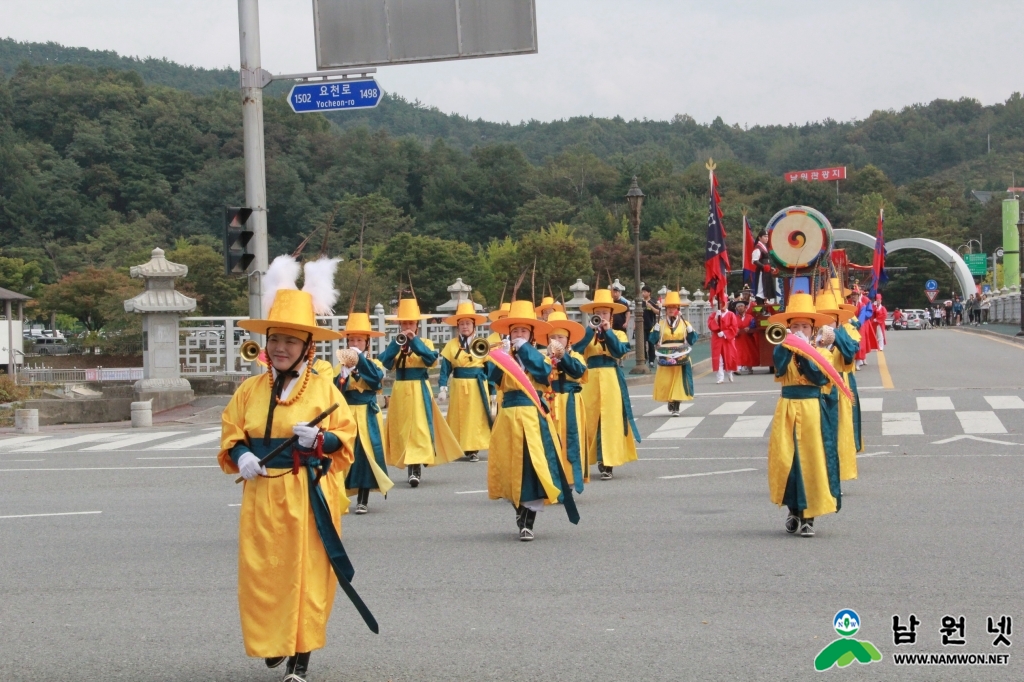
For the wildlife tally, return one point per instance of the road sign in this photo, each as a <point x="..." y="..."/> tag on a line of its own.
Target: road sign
<point x="977" y="263"/>
<point x="817" y="175"/>
<point x="931" y="294"/>
<point x="332" y="96"/>
<point x="931" y="285"/>
<point x="986" y="288"/>
<point x="999" y="252"/>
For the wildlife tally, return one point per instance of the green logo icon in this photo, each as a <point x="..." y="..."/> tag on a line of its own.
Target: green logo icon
<point x="846" y="650"/>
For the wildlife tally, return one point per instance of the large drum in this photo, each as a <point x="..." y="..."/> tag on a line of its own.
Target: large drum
<point x="672" y="353"/>
<point x="798" y="238"/>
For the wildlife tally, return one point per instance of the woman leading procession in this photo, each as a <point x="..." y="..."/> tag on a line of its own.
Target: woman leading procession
<point x="673" y="339"/>
<point x="289" y="535"/>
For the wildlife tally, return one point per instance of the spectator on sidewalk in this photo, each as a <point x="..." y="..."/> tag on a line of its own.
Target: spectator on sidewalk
<point x="948" y="305"/>
<point x="958" y="311"/>
<point x="986" y="305"/>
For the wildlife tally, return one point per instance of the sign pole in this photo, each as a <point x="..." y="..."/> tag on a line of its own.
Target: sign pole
<point x="252" y="142"/>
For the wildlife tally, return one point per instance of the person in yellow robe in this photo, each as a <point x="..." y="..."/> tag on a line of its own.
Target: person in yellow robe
<point x="415" y="432"/>
<point x="289" y="537"/>
<point x="843" y="352"/>
<point x="568" y="375"/>
<point x="523" y="464"/>
<point x="673" y="383"/>
<point x="801" y="473"/>
<point x="496" y="340"/>
<point x="463" y="383"/>
<point x="548" y="306"/>
<point x="849" y="409"/>
<point x="611" y="431"/>
<point x="360" y="379"/>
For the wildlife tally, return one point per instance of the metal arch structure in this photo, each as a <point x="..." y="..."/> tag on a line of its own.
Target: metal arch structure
<point x="947" y="255"/>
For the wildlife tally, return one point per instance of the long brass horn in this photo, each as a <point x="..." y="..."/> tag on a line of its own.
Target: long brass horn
<point x="775" y="334"/>
<point x="479" y="348"/>
<point x="596" y="321"/>
<point x="249" y="351"/>
<point x="402" y="339"/>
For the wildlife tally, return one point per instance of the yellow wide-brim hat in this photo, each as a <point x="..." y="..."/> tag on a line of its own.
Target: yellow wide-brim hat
<point x="521" y="313"/>
<point x="672" y="299"/>
<point x="501" y="312"/>
<point x="603" y="299"/>
<point x="560" y="324"/>
<point x="358" y="324"/>
<point x="835" y="286"/>
<point x="292" y="311"/>
<point x="800" y="306"/>
<point x="548" y="303"/>
<point x="465" y="311"/>
<point x="408" y="311"/>
<point x="826" y="303"/>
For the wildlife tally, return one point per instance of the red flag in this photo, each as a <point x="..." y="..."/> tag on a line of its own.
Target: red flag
<point x="716" y="257"/>
<point x="878" y="274"/>
<point x="748" y="249"/>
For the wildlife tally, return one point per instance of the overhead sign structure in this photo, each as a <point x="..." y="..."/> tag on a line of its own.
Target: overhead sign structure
<point x="931" y="285"/>
<point x="977" y="263"/>
<point x="931" y="294"/>
<point x="334" y="95"/>
<point x="818" y="175"/>
<point x="378" y="32"/>
<point x="999" y="252"/>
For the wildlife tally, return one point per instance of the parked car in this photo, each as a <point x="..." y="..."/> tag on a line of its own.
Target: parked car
<point x="49" y="345"/>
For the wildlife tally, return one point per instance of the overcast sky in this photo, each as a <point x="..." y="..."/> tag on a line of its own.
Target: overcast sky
<point x="757" y="61"/>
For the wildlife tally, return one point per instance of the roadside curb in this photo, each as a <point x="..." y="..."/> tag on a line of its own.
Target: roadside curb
<point x="995" y="335"/>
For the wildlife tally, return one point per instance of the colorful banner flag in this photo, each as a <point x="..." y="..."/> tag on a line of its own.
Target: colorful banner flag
<point x="716" y="258"/>
<point x="749" y="269"/>
<point x="878" y="275"/>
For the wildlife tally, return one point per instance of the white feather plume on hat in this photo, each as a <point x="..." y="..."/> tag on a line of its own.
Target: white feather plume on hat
<point x="320" y="284"/>
<point x="281" y="274"/>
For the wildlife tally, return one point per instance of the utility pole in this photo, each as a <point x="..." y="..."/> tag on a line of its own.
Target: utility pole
<point x="252" y="82"/>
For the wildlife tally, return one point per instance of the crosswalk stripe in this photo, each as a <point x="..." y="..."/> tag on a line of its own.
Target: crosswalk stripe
<point x="738" y="407"/>
<point x="1005" y="402"/>
<point x="58" y="443"/>
<point x="871" y="404"/>
<point x="901" y="424"/>
<point x="749" y="426"/>
<point x="980" y="422"/>
<point x="187" y="442"/>
<point x="662" y="410"/>
<point x="942" y="402"/>
<point x="10" y="442"/>
<point x="676" y="427"/>
<point x="134" y="439"/>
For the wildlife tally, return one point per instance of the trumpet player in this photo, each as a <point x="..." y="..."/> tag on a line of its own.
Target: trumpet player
<point x="673" y="382"/>
<point x="843" y="351"/>
<point x="611" y="431"/>
<point x="415" y="432"/>
<point x="360" y="379"/>
<point x="801" y="473"/>
<point x="568" y="374"/>
<point x="463" y="383"/>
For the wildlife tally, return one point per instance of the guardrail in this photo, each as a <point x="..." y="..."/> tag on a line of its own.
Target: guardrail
<point x="72" y="376"/>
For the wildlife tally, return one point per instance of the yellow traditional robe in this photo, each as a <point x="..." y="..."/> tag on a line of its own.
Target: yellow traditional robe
<point x="362" y="414"/>
<point x="602" y="397"/>
<point x="673" y="383"/>
<point x="407" y="431"/>
<point x="468" y="409"/>
<point x="796" y="440"/>
<point x="285" y="581"/>
<point x="560" y="412"/>
<point x="847" y="439"/>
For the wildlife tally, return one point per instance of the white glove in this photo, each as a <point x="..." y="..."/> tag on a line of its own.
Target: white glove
<point x="506" y="345"/>
<point x="344" y="372"/>
<point x="518" y="343"/>
<point x="307" y="434"/>
<point x="721" y="335"/>
<point x="249" y="466"/>
<point x="800" y="335"/>
<point x="442" y="394"/>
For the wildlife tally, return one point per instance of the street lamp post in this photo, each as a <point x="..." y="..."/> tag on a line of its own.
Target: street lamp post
<point x="1020" y="290"/>
<point x="635" y="198"/>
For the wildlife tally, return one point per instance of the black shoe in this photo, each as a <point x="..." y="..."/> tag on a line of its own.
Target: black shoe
<point x="606" y="475"/>
<point x="792" y="523"/>
<point x="531" y="516"/>
<point x="297" y="667"/>
<point x="414" y="475"/>
<point x="472" y="456"/>
<point x="807" y="528"/>
<point x="520" y="517"/>
<point x="275" y="661"/>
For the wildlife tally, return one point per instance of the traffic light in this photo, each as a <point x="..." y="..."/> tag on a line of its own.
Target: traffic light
<point x="236" y="240"/>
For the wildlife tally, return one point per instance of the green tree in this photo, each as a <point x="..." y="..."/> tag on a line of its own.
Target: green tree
<point x="19" y="276"/>
<point x="91" y="296"/>
<point x="540" y="212"/>
<point x="215" y="292"/>
<point x="560" y="260"/>
<point x="370" y="219"/>
<point x="433" y="265"/>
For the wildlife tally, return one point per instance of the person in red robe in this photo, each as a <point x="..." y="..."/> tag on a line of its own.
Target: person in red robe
<point x="723" y="325"/>
<point x="868" y="328"/>
<point x="880" y="314"/>
<point x="747" y="354"/>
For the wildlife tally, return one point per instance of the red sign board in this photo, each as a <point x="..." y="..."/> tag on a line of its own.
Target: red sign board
<point x="931" y="295"/>
<point x="818" y="175"/>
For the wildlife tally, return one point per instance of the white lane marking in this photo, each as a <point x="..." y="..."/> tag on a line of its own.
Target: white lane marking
<point x="676" y="427"/>
<point x="901" y="424"/>
<point x="65" y="442"/>
<point x="733" y="408"/>
<point x="693" y="459"/>
<point x="998" y="402"/>
<point x="133" y="439"/>
<point x="706" y="473"/>
<point x="942" y="402"/>
<point x="980" y="422"/>
<point x="871" y="404"/>
<point x="872" y="454"/>
<point x="749" y="426"/>
<point x="662" y="410"/>
<point x="469" y="492"/>
<point x="5" y="461"/>
<point x="213" y="428"/>
<point x="189" y="466"/>
<point x="10" y="442"/>
<point x="966" y="437"/>
<point x="235" y="505"/>
<point x="660" y="447"/>
<point x="30" y="516"/>
<point x="183" y="457"/>
<point x="714" y="393"/>
<point x="187" y="442"/>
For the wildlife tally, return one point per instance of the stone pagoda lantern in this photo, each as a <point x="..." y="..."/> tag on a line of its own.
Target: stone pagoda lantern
<point x="459" y="293"/>
<point x="161" y="306"/>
